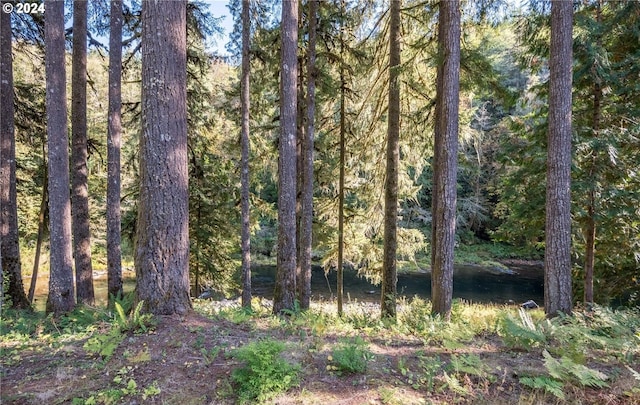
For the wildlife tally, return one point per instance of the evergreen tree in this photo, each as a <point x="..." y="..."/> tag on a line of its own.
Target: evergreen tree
<point x="114" y="143"/>
<point x="245" y="145"/>
<point x="162" y="250"/>
<point x="306" y="215"/>
<point x="285" y="289"/>
<point x="79" y="155"/>
<point x="10" y="246"/>
<point x="557" y="266"/>
<point x="445" y="160"/>
<point x="389" y="266"/>
<point x="61" y="295"/>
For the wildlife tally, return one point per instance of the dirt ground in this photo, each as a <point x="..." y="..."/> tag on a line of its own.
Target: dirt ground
<point x="184" y="360"/>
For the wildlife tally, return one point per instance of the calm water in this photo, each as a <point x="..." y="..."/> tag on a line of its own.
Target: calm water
<point x="472" y="283"/>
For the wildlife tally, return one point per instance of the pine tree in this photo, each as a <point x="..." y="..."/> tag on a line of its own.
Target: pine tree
<point x="61" y="295"/>
<point x="244" y="165"/>
<point x="389" y="266"/>
<point x="445" y="160"/>
<point x="306" y="215"/>
<point x="79" y="156"/>
<point x="114" y="143"/>
<point x="557" y="264"/>
<point x="285" y="289"/>
<point x="162" y="250"/>
<point x="10" y="245"/>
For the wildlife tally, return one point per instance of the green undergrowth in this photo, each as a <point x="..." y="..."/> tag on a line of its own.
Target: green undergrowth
<point x="263" y="372"/>
<point x="592" y="349"/>
<point x="484" y="354"/>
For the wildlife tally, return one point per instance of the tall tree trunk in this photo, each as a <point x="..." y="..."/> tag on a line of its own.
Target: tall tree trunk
<point x="390" y="276"/>
<point x="306" y="220"/>
<point x="590" y="226"/>
<point x="41" y="224"/>
<point x="590" y="249"/>
<point x="343" y="129"/>
<point x="162" y="249"/>
<point x="10" y="245"/>
<point x="285" y="289"/>
<point x="244" y="137"/>
<point x="61" y="295"/>
<point x="445" y="161"/>
<point x="300" y="130"/>
<point x="114" y="142"/>
<point x="245" y="145"/>
<point x="79" y="154"/>
<point x="557" y="261"/>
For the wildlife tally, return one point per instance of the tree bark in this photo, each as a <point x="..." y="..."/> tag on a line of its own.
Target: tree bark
<point x="306" y="220"/>
<point x="41" y="224"/>
<point x="79" y="155"/>
<point x="285" y="288"/>
<point x="245" y="146"/>
<point x="300" y="130"/>
<point x="590" y="227"/>
<point x="10" y="245"/>
<point x="445" y="160"/>
<point x="114" y="142"/>
<point x="61" y="295"/>
<point x="557" y="286"/>
<point x="343" y="129"/>
<point x="389" y="267"/>
<point x="162" y="249"/>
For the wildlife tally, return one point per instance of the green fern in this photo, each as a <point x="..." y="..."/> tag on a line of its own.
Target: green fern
<point x="544" y="383"/>
<point x="104" y="344"/>
<point x="121" y="319"/>
<point x="264" y="373"/>
<point x="567" y="369"/>
<point x="468" y="364"/>
<point x="136" y="321"/>
<point x="521" y="334"/>
<point x="452" y="383"/>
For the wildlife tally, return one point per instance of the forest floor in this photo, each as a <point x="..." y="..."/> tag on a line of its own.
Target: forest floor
<point x="485" y="355"/>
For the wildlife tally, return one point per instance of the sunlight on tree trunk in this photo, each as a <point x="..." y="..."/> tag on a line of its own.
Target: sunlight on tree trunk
<point x="389" y="265"/>
<point x="79" y="155"/>
<point x="9" y="243"/>
<point x="114" y="142"/>
<point x="162" y="249"/>
<point x="284" y="295"/>
<point x="244" y="164"/>
<point x="61" y="292"/>
<point x="41" y="225"/>
<point x="445" y="160"/>
<point x="343" y="129"/>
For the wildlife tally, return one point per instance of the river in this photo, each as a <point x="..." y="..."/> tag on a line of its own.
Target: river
<point x="470" y="282"/>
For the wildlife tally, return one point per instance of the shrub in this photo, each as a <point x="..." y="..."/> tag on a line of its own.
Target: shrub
<point x="350" y="356"/>
<point x="264" y="373"/>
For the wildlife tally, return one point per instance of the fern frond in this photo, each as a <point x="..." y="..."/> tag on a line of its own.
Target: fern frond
<point x="544" y="383"/>
<point x="523" y="335"/>
<point x="122" y="317"/>
<point x="525" y="317"/>
<point x="567" y="369"/>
